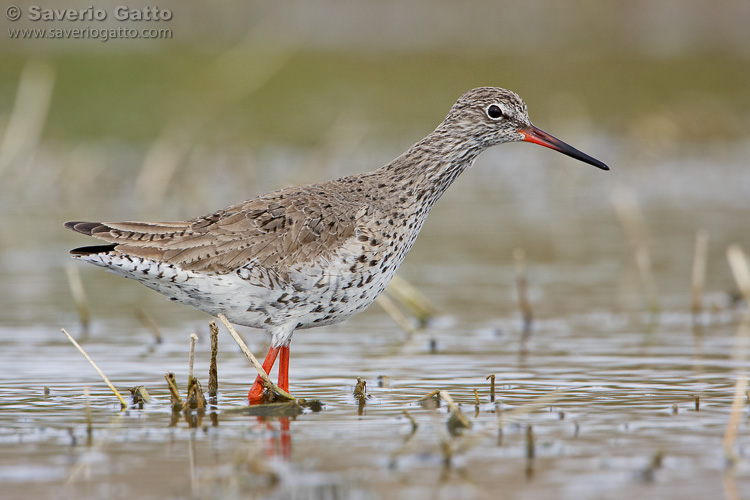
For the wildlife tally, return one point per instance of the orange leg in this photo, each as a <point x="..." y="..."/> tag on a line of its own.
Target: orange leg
<point x="256" y="391"/>
<point x="284" y="368"/>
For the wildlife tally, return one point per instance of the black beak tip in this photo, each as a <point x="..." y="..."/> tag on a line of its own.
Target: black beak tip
<point x="601" y="165"/>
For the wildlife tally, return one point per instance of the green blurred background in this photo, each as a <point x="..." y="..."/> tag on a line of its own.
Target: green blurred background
<point x="263" y="73"/>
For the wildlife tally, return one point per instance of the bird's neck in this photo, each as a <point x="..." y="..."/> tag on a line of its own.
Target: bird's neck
<point x="428" y="168"/>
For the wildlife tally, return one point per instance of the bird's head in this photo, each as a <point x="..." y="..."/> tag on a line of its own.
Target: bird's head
<point x="491" y="116"/>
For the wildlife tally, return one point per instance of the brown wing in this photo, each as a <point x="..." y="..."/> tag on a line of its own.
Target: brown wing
<point x="292" y="225"/>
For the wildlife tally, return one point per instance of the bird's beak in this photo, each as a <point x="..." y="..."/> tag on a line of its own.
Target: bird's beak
<point x="539" y="136"/>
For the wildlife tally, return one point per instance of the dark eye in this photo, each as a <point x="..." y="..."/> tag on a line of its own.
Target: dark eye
<point x="494" y="112"/>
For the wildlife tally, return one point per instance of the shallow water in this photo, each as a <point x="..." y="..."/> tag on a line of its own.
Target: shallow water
<point x="625" y="395"/>
<point x="617" y="416"/>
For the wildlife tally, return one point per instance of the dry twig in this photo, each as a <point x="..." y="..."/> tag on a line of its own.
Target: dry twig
<point x="213" y="376"/>
<point x="101" y="373"/>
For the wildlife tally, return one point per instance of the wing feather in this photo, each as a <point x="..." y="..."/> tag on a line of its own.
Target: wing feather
<point x="294" y="225"/>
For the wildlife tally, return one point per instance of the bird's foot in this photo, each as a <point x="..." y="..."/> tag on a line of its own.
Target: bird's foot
<point x="255" y="396"/>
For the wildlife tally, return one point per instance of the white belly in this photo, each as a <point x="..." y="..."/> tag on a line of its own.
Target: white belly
<point x="309" y="298"/>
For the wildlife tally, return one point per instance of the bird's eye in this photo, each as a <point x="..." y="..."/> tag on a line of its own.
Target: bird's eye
<point x="494" y="112"/>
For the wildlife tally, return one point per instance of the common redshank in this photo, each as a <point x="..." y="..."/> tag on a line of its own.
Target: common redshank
<point x="314" y="255"/>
